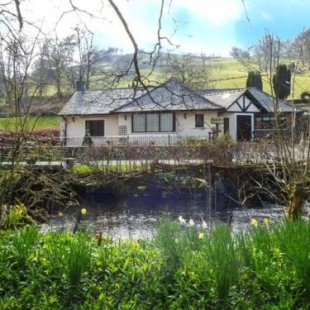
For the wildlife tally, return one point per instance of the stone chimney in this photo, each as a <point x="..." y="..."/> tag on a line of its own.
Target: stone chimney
<point x="80" y="85"/>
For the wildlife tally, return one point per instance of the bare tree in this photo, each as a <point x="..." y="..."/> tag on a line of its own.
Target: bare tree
<point x="192" y="71"/>
<point x="60" y="56"/>
<point x="42" y="70"/>
<point x="284" y="164"/>
<point x="88" y="55"/>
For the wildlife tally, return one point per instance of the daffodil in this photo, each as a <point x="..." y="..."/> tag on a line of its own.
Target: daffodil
<point x="60" y="214"/>
<point x="201" y="236"/>
<point x="266" y="221"/>
<point x="83" y="211"/>
<point x="254" y="222"/>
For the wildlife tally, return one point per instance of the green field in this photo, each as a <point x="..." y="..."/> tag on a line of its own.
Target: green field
<point x="225" y="73"/>
<point x="31" y="122"/>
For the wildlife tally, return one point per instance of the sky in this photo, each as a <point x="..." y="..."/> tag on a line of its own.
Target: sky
<point x="211" y="27"/>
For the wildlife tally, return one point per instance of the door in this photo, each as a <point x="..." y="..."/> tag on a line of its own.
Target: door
<point x="226" y="125"/>
<point x="244" y="127"/>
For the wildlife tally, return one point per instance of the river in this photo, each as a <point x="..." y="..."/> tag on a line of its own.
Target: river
<point x="137" y="217"/>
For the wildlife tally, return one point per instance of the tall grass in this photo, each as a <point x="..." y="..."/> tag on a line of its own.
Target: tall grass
<point x="185" y="266"/>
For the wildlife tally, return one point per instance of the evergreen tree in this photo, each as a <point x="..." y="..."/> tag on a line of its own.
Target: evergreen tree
<point x="254" y="80"/>
<point x="282" y="82"/>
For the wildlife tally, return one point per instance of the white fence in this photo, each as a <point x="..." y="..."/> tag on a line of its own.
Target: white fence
<point x="160" y="140"/>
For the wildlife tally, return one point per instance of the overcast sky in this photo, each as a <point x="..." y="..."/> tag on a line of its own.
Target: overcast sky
<point x="212" y="27"/>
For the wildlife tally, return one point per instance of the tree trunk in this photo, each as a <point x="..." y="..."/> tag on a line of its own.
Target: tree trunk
<point x="296" y="198"/>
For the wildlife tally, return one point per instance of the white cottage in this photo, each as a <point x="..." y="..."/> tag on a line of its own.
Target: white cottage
<point x="165" y="114"/>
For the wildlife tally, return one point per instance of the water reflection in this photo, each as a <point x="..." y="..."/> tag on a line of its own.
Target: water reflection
<point x="137" y="217"/>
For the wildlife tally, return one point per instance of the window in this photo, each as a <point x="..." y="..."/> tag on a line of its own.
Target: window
<point x="199" y="121"/>
<point x="138" y="122"/>
<point x="269" y="122"/>
<point x="166" y="122"/>
<point x="122" y="130"/>
<point x="153" y="122"/>
<point x="226" y="125"/>
<point x="95" y="128"/>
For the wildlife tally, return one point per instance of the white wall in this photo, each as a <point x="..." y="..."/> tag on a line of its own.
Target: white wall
<point x="75" y="127"/>
<point x="232" y="124"/>
<point x="185" y="126"/>
<point x="185" y="123"/>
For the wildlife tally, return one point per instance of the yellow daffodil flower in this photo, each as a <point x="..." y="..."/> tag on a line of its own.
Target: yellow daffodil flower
<point x="266" y="221"/>
<point x="201" y="236"/>
<point x="254" y="222"/>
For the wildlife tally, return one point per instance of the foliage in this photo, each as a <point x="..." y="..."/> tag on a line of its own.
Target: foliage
<point x="186" y="266"/>
<point x="14" y="216"/>
<point x="254" y="80"/>
<point x="282" y="82"/>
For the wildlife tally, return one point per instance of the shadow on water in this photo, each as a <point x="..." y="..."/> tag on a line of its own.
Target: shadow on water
<point x="136" y="217"/>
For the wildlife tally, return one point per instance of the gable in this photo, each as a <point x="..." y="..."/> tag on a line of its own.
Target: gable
<point x="243" y="105"/>
<point x="250" y="100"/>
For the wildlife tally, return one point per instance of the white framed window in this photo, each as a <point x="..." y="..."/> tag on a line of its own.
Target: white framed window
<point x="153" y="122"/>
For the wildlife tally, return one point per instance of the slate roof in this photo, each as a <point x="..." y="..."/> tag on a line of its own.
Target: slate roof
<point x="92" y="102"/>
<point x="227" y="97"/>
<point x="170" y="96"/>
<point x="224" y="98"/>
<point x="267" y="102"/>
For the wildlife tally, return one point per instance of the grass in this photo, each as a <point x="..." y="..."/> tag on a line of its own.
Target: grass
<point x="183" y="267"/>
<point x="42" y="122"/>
<point x="225" y="73"/>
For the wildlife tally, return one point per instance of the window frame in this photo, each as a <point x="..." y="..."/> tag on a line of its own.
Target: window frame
<point x="146" y="118"/>
<point x="95" y="128"/>
<point x="199" y="123"/>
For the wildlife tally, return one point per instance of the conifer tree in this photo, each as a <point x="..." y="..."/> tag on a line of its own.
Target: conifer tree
<point x="254" y="80"/>
<point x="282" y="82"/>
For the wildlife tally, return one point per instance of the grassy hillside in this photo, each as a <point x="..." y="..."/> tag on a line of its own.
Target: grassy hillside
<point x="225" y="73"/>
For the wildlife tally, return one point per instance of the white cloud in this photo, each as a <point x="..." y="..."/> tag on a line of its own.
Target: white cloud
<point x="195" y="17"/>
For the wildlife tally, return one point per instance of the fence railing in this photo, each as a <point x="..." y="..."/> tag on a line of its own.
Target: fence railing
<point x="159" y="140"/>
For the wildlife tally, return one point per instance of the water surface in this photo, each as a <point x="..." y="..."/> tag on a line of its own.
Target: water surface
<point x="137" y="217"/>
